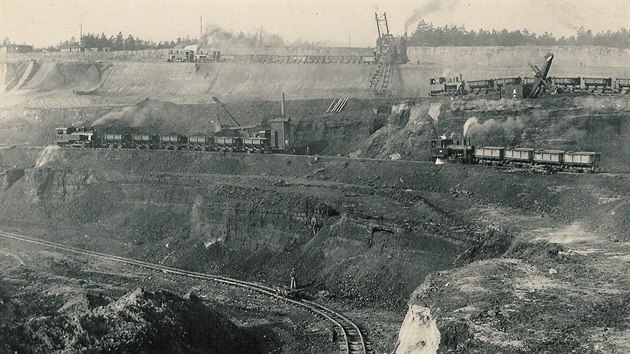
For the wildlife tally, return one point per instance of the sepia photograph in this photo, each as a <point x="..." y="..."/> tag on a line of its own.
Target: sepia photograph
<point x="273" y="176"/>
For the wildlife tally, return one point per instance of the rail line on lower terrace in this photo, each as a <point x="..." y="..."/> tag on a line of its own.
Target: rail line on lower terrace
<point x="352" y="340"/>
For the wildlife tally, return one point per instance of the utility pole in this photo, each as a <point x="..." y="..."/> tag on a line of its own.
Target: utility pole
<point x="200" y="27"/>
<point x="80" y="35"/>
<point x="349" y="39"/>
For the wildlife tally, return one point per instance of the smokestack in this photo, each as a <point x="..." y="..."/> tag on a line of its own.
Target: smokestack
<point x="282" y="106"/>
<point x="80" y="34"/>
<point x="200" y="27"/>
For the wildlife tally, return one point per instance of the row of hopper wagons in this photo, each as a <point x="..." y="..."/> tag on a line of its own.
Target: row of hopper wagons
<point x="180" y="56"/>
<point x="301" y="59"/>
<point x="548" y="160"/>
<point x="440" y="86"/>
<point x="265" y="141"/>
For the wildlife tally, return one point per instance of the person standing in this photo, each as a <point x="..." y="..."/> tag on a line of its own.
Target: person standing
<point x="292" y="285"/>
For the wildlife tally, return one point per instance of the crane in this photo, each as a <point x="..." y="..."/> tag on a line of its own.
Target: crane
<point x="541" y="76"/>
<point x="381" y="25"/>
<point x="224" y="107"/>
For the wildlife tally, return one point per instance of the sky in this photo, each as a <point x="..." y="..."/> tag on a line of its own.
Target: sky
<point x="338" y="23"/>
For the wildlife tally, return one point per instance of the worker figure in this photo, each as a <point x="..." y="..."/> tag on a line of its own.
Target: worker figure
<point x="308" y="150"/>
<point x="292" y="285"/>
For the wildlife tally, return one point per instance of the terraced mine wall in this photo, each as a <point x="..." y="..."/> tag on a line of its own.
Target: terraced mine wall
<point x="251" y="216"/>
<point x="88" y="80"/>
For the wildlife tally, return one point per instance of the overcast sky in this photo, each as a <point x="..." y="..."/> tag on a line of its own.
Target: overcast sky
<point x="45" y="23"/>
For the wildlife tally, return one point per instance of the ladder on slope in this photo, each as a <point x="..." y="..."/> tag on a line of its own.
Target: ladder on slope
<point x="380" y="78"/>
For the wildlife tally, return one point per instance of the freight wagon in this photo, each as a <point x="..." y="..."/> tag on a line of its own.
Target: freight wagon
<point x="174" y="141"/>
<point x="567" y="83"/>
<point x="145" y="141"/>
<point x="622" y="85"/>
<point x="201" y="142"/>
<point x="114" y="141"/>
<point x="549" y="157"/>
<point x="490" y="154"/>
<point x="519" y="156"/>
<point x="480" y="86"/>
<point x="582" y="160"/>
<point x="498" y="83"/>
<point x="601" y="84"/>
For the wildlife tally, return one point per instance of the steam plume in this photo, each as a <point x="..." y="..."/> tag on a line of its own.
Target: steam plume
<point x="469" y="122"/>
<point x="505" y="132"/>
<point x="426" y="9"/>
<point x="152" y="116"/>
<point x="216" y="37"/>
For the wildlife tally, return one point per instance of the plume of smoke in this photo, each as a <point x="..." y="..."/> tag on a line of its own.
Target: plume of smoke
<point x="469" y="122"/>
<point x="217" y="38"/>
<point x="153" y="116"/>
<point x="427" y="8"/>
<point x="133" y="116"/>
<point x="149" y="116"/>
<point x="505" y="132"/>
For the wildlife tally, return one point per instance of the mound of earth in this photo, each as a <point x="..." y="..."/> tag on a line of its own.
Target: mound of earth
<point x="138" y="322"/>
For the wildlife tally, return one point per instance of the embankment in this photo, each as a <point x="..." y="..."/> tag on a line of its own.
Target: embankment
<point x="249" y="216"/>
<point x="126" y="82"/>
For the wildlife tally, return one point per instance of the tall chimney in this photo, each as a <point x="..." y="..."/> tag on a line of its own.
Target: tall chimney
<point x="282" y="106"/>
<point x="200" y="27"/>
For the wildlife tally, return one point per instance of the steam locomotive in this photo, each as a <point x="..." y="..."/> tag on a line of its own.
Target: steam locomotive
<point x="552" y="160"/>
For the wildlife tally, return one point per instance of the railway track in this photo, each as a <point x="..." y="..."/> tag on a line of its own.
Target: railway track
<point x="351" y="340"/>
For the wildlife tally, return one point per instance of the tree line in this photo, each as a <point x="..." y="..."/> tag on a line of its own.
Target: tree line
<point x="121" y="42"/>
<point x="129" y="42"/>
<point x="428" y="35"/>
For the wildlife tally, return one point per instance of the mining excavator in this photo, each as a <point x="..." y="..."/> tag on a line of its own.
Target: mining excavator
<point x="226" y="110"/>
<point x="540" y="81"/>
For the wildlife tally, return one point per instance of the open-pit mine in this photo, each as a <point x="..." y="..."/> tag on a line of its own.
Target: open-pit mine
<point x="292" y="201"/>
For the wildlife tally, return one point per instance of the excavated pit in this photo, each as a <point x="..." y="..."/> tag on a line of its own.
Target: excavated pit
<point x="247" y="216"/>
<point x="492" y="259"/>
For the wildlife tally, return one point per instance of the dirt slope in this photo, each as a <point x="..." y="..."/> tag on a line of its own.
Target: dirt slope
<point x="125" y="82"/>
<point x="560" y="285"/>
